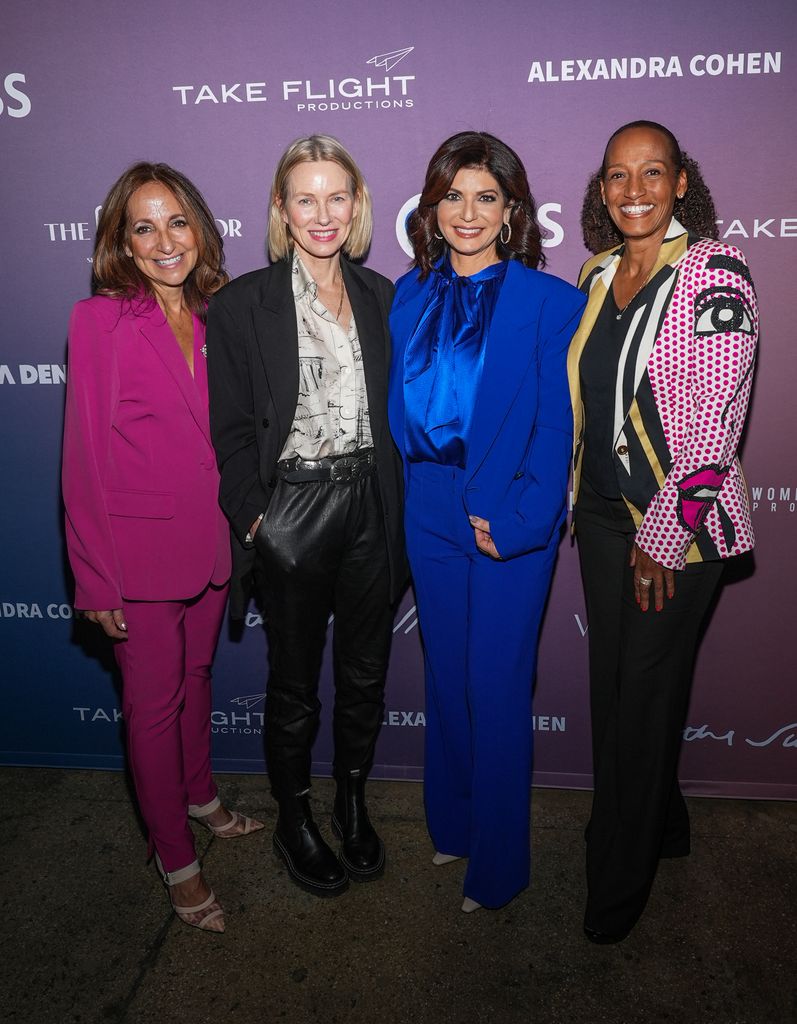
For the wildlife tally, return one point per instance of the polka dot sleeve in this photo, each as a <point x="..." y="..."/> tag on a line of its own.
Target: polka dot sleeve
<point x="701" y="370"/>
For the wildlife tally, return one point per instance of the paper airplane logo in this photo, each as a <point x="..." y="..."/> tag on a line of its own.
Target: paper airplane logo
<point x="389" y="60"/>
<point x="248" y="702"/>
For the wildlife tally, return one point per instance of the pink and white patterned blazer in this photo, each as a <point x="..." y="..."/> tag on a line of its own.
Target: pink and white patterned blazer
<point x="682" y="388"/>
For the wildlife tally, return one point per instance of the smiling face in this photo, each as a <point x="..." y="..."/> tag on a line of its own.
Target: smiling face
<point x="640" y="183"/>
<point x="319" y="209"/>
<point x="159" y="239"/>
<point x="470" y="216"/>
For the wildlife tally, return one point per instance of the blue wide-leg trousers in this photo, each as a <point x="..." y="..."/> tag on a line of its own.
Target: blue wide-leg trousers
<point x="479" y="622"/>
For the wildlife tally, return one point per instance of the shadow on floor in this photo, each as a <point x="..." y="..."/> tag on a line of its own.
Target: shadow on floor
<point x="88" y="936"/>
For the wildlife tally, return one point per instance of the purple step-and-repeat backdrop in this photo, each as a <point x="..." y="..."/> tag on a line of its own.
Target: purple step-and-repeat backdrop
<point x="219" y="90"/>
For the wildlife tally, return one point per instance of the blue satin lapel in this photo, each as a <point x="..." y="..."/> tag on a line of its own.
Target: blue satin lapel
<point x="443" y="362"/>
<point x="418" y="358"/>
<point x="439" y="393"/>
<point x="408" y="304"/>
<point x="510" y="347"/>
<point x="404" y="315"/>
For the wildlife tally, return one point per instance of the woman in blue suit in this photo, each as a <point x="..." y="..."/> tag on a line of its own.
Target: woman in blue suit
<point x="480" y="411"/>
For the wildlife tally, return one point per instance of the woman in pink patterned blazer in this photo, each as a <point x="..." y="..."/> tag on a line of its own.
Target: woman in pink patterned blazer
<point x="660" y="374"/>
<point x="147" y="541"/>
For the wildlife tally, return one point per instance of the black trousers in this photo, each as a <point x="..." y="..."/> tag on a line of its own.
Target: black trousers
<point x="322" y="550"/>
<point x="640" y="677"/>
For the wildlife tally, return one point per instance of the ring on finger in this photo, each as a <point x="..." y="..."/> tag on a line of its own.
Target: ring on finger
<point x="644" y="581"/>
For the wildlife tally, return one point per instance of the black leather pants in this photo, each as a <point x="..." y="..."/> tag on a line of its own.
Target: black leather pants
<point x="322" y="550"/>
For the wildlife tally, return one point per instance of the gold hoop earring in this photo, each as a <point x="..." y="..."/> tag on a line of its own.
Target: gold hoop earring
<point x="506" y="240"/>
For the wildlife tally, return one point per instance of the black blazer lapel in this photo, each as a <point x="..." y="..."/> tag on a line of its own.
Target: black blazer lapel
<point x="374" y="345"/>
<point x="274" y="322"/>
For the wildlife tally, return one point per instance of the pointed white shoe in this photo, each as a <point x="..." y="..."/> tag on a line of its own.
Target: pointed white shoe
<point x="444" y="858"/>
<point x="469" y="905"/>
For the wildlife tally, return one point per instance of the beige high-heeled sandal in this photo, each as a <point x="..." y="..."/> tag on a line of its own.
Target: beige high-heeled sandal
<point x="208" y="916"/>
<point x="238" y="825"/>
<point x="440" y="859"/>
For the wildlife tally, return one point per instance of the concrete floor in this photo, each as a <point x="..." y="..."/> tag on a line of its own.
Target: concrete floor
<point x="88" y="936"/>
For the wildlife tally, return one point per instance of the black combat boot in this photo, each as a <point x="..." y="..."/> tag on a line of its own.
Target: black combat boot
<point x="362" y="852"/>
<point x="310" y="862"/>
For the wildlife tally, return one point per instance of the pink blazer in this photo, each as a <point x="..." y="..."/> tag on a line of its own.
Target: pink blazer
<point x="139" y="474"/>
<point x="682" y="389"/>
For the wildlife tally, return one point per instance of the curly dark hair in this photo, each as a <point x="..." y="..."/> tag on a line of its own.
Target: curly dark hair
<point x="695" y="211"/>
<point x="476" y="149"/>
<point x="116" y="275"/>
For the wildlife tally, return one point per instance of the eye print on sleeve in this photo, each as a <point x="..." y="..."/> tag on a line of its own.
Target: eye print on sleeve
<point x="724" y="309"/>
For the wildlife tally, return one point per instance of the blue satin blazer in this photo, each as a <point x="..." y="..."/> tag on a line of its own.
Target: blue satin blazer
<point x="522" y="428"/>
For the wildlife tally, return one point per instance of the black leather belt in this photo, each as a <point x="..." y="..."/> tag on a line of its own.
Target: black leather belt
<point x="340" y="469"/>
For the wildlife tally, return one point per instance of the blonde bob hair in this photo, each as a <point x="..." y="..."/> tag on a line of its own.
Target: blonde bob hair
<point x="310" y="150"/>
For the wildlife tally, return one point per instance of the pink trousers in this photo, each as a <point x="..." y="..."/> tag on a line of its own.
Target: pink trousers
<point x="166" y="703"/>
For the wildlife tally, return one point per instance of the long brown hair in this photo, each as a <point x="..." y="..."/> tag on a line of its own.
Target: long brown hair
<point x="117" y="275"/>
<point x="477" y="149"/>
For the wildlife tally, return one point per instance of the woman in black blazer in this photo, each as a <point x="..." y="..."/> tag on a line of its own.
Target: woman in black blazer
<point x="298" y="356"/>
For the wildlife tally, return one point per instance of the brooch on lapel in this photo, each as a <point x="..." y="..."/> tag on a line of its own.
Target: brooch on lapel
<point x="204" y="351"/>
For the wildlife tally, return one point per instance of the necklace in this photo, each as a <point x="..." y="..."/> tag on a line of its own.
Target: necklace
<point x="340" y="304"/>
<point x="619" y="315"/>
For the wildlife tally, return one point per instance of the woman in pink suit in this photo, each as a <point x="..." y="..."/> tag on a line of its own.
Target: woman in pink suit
<point x="147" y="542"/>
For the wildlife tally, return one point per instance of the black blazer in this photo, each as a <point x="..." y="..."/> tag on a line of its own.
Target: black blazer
<point x="253" y="378"/>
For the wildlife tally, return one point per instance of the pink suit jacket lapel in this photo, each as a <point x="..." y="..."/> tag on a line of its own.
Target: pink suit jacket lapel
<point x="157" y="332"/>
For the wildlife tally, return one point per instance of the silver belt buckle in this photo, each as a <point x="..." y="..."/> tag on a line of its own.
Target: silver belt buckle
<point x="341" y="470"/>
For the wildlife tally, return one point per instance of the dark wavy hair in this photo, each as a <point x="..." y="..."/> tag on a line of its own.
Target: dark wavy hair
<point x="476" y="149"/>
<point x="695" y="211"/>
<point x="117" y="275"/>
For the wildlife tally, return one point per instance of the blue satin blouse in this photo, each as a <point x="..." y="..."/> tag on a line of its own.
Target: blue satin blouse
<point x="443" y="363"/>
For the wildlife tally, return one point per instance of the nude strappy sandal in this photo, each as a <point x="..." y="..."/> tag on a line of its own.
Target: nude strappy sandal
<point x="208" y="915"/>
<point x="238" y="825"/>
